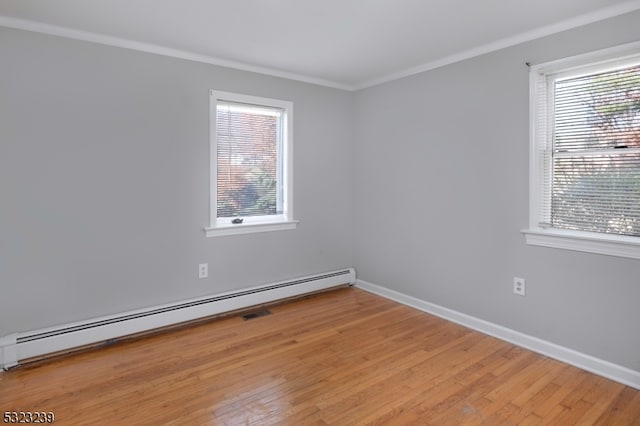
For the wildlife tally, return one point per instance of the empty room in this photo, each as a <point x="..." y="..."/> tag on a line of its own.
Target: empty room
<point x="335" y="212"/>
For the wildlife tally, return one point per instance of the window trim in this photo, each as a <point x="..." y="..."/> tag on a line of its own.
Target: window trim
<point x="284" y="221"/>
<point x="591" y="242"/>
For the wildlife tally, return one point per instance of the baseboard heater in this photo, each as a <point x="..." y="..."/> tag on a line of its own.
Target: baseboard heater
<point x="20" y="346"/>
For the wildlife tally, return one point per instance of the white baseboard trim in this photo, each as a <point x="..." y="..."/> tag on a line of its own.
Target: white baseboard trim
<point x="583" y="361"/>
<point x="23" y="345"/>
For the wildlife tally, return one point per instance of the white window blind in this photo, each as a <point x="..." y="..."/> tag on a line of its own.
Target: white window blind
<point x="251" y="164"/>
<point x="249" y="160"/>
<point x="588" y="146"/>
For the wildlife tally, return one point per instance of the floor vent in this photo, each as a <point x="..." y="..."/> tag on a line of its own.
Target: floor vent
<point x="256" y="314"/>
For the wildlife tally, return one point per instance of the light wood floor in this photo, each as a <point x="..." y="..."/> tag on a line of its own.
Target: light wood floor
<point x="340" y="358"/>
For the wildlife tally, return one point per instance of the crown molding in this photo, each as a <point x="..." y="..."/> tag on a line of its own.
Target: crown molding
<point x="39" y="27"/>
<point x="578" y="21"/>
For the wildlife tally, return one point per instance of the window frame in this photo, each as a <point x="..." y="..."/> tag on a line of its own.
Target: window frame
<point x="535" y="234"/>
<point x="251" y="224"/>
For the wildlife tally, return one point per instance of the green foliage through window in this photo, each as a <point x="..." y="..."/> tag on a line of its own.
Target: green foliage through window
<point x="247" y="160"/>
<point x="596" y="153"/>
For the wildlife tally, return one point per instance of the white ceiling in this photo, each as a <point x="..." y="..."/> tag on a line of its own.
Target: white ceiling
<point x="341" y="43"/>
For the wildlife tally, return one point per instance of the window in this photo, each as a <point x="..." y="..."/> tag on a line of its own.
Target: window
<point x="251" y="173"/>
<point x="585" y="153"/>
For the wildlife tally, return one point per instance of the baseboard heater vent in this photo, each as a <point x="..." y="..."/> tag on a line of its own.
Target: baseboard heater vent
<point x="20" y="346"/>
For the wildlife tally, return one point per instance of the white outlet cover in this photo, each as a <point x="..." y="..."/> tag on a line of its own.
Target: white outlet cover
<point x="203" y="270"/>
<point x="519" y="286"/>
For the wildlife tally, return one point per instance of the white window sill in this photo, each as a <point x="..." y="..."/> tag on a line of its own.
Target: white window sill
<point x="249" y="228"/>
<point x="590" y="242"/>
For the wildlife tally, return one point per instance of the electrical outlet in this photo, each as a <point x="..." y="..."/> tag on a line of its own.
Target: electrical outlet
<point x="519" y="286"/>
<point x="203" y="270"/>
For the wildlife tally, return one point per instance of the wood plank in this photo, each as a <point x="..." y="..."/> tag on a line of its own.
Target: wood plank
<point x="343" y="357"/>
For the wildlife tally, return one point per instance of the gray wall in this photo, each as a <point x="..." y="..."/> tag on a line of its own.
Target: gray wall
<point x="104" y="178"/>
<point x="104" y="183"/>
<point x="441" y="194"/>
